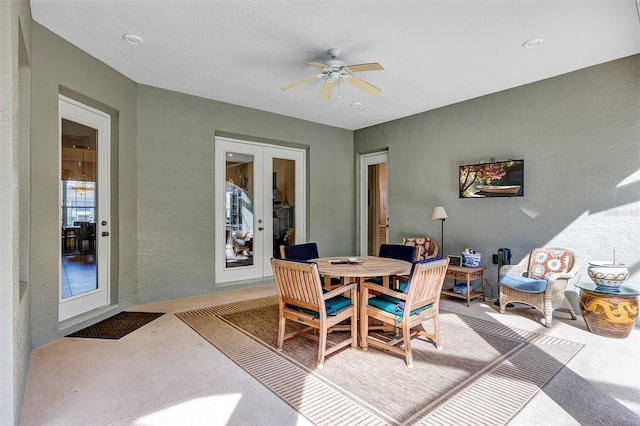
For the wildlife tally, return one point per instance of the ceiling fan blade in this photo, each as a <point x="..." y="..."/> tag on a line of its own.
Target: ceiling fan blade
<point x="373" y="66"/>
<point x="367" y="87"/>
<point x="317" y="64"/>
<point x="326" y="89"/>
<point x="299" y="82"/>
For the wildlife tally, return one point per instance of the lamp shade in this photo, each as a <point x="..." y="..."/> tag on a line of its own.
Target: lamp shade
<point x="438" y="213"/>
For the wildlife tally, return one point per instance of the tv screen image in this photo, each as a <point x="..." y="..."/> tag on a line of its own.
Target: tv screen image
<point x="493" y="179"/>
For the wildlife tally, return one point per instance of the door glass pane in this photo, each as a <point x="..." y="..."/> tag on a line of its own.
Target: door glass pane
<point x="78" y="209"/>
<point x="284" y="201"/>
<point x="239" y="209"/>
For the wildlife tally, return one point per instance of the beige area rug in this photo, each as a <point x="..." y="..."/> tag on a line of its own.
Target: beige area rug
<point x="485" y="373"/>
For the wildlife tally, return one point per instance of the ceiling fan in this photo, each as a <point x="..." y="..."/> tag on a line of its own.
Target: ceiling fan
<point x="336" y="70"/>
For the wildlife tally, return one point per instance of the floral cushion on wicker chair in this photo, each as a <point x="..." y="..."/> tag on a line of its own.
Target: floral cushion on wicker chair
<point x="421" y="245"/>
<point x="545" y="262"/>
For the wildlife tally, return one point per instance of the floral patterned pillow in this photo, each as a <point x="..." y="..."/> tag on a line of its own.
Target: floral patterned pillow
<point x="421" y="245"/>
<point x="545" y="262"/>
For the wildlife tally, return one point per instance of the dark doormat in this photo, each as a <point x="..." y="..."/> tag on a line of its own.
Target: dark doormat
<point x="117" y="326"/>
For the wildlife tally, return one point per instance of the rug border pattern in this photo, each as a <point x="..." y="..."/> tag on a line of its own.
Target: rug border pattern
<point x="495" y="397"/>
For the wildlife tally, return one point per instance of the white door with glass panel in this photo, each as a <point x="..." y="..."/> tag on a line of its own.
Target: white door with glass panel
<point x="260" y="205"/>
<point x="84" y="208"/>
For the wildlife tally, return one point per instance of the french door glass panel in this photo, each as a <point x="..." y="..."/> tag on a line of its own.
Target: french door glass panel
<point x="84" y="147"/>
<point x="239" y="224"/>
<point x="259" y="200"/>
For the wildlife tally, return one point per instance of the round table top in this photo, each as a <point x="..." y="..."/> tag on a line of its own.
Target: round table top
<point x="623" y="290"/>
<point x="371" y="266"/>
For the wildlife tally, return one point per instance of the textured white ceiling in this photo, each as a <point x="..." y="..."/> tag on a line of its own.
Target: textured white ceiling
<point x="435" y="53"/>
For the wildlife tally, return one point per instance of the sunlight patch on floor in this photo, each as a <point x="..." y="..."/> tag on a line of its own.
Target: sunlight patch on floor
<point x="214" y="410"/>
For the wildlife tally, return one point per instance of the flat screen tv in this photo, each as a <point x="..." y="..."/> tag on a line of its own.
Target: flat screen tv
<point x="493" y="179"/>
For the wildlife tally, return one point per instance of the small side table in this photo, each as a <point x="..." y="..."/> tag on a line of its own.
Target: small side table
<point x="609" y="312"/>
<point x="466" y="274"/>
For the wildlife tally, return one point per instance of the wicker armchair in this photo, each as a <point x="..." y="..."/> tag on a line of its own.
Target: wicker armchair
<point x="242" y="243"/>
<point x="425" y="247"/>
<point x="406" y="311"/>
<point x="301" y="300"/>
<point x="540" y="280"/>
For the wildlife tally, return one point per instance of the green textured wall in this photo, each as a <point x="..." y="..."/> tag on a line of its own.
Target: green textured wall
<point x="59" y="67"/>
<point x="15" y="289"/>
<point x="579" y="134"/>
<point x="176" y="186"/>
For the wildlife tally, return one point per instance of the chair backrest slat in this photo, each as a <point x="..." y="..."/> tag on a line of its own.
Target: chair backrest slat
<point x="297" y="281"/>
<point x="425" y="283"/>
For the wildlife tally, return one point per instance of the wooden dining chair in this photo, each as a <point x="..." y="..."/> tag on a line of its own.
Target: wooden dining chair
<point x="301" y="300"/>
<point x="406" y="312"/>
<point x="426" y="248"/>
<point x="395" y="251"/>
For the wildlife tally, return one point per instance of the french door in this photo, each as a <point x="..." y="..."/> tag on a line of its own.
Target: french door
<point x="260" y="205"/>
<point x="84" y="137"/>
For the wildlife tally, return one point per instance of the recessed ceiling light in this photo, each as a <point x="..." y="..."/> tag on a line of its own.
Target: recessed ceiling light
<point x="534" y="42"/>
<point x="132" y="38"/>
<point x="357" y="104"/>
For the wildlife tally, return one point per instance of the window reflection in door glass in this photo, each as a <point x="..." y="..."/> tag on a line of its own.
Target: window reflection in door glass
<point x="239" y="210"/>
<point x="78" y="209"/>
<point x="284" y="201"/>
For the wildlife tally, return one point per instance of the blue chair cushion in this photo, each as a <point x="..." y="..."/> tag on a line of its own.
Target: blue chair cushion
<point x="526" y="284"/>
<point x="375" y="280"/>
<point x="393" y="305"/>
<point x="332" y="306"/>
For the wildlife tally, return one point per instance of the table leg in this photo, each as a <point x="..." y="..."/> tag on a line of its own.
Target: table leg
<point x="327" y="282"/>
<point x="468" y="290"/>
<point x="385" y="281"/>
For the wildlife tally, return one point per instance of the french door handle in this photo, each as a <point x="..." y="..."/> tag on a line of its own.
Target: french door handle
<point x="105" y="234"/>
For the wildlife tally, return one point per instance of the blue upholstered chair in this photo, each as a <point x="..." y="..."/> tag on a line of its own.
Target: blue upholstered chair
<point x="301" y="300"/>
<point x="405" y="311"/>
<point x="304" y="251"/>
<point x="540" y="280"/>
<point x="307" y="251"/>
<point x="395" y="251"/>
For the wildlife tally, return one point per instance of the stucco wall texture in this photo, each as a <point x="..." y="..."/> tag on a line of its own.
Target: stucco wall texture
<point x="579" y="135"/>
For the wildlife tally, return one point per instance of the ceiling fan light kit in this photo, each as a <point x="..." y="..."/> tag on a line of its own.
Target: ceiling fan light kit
<point x="334" y="71"/>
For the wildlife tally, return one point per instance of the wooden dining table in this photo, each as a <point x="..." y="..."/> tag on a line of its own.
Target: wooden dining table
<point x="371" y="266"/>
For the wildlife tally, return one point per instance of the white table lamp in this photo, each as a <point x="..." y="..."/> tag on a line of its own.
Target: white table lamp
<point x="439" y="213"/>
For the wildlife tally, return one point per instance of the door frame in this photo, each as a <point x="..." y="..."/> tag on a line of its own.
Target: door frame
<point x="80" y="113"/>
<point x="263" y="241"/>
<point x="365" y="161"/>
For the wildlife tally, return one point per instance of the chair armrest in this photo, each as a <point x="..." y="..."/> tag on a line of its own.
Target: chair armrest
<point x="380" y="289"/>
<point x="518" y="270"/>
<point x="339" y="290"/>
<point x="561" y="278"/>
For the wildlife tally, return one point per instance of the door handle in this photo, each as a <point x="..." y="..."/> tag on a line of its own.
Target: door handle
<point x="260" y="229"/>
<point x="105" y="234"/>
